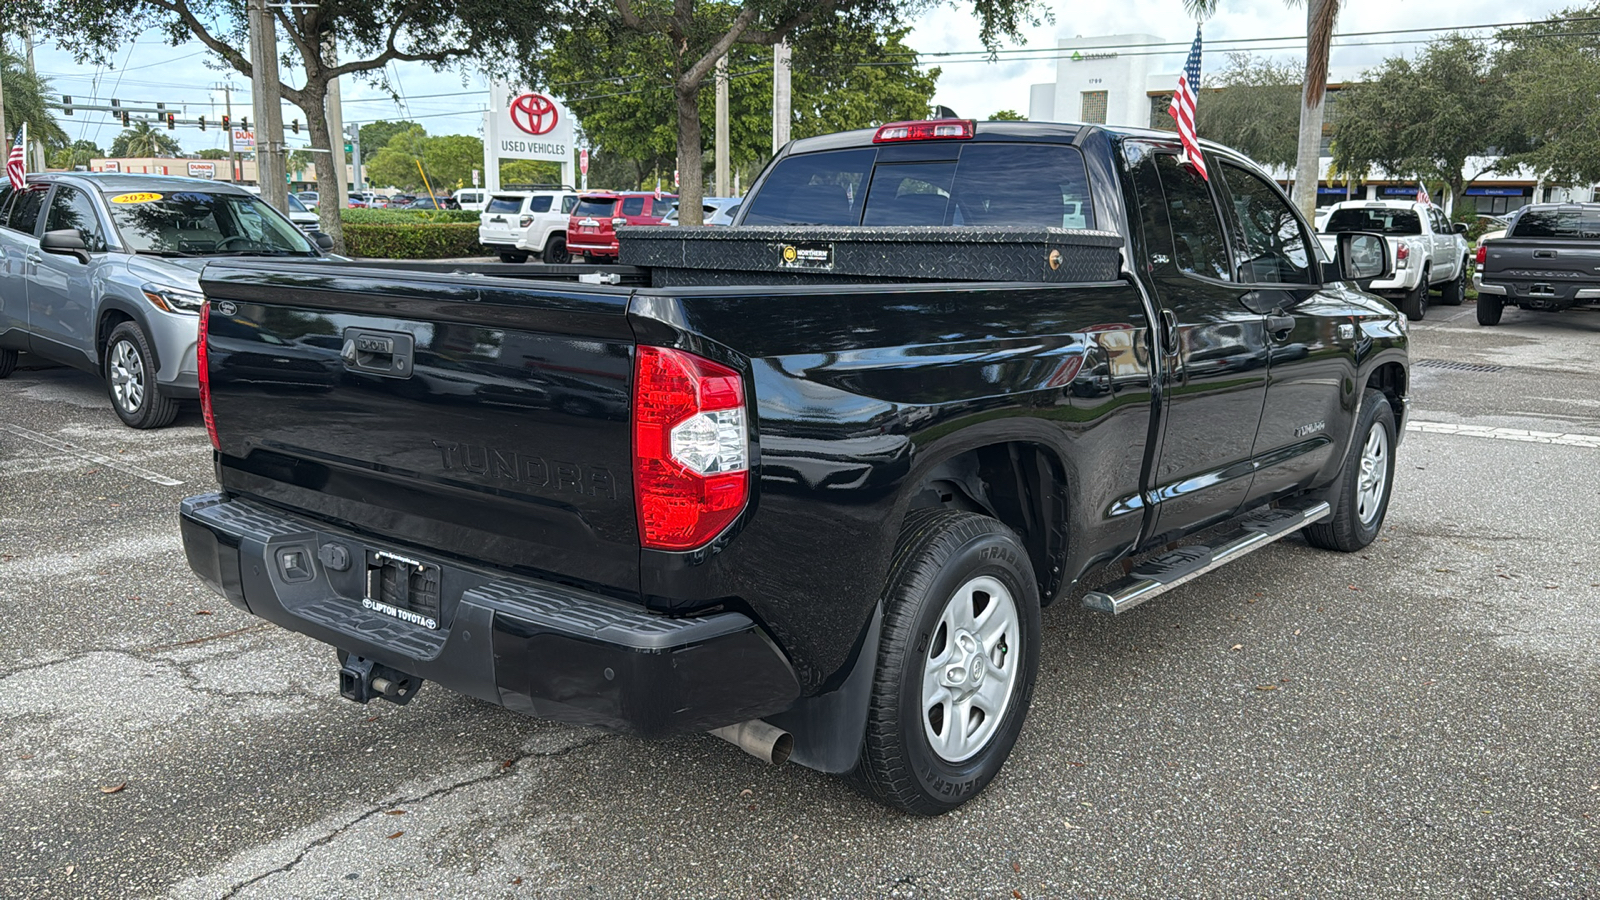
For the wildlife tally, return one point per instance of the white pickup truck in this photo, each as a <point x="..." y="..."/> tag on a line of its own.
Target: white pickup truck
<point x="1426" y="250"/>
<point x="517" y="223"/>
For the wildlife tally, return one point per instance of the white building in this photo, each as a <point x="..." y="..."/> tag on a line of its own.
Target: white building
<point x="1128" y="80"/>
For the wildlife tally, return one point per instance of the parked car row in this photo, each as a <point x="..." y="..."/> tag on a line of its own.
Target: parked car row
<point x="1426" y="251"/>
<point x="559" y="226"/>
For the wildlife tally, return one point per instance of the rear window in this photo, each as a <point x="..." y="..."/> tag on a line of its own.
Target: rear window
<point x="594" y="207"/>
<point x="504" y="205"/>
<point x="1558" y="223"/>
<point x="1035" y="185"/>
<point x="1382" y="221"/>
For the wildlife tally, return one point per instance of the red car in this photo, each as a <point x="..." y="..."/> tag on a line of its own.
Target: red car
<point x="591" y="230"/>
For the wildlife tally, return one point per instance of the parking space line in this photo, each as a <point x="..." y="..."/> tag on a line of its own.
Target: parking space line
<point x="90" y="455"/>
<point x="1567" y="439"/>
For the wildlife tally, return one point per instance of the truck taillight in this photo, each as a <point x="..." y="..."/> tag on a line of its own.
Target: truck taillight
<point x="1402" y="253"/>
<point x="930" y="130"/>
<point x="1483" y="254"/>
<point x="691" y="453"/>
<point x="202" y="363"/>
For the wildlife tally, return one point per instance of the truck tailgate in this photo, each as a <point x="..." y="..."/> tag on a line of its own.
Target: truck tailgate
<point x="1542" y="267"/>
<point x="485" y="419"/>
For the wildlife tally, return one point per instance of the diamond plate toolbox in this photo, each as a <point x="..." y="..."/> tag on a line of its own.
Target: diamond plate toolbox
<point x="768" y="254"/>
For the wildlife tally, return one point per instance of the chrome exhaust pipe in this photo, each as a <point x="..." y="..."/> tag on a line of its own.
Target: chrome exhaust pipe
<point x="768" y="743"/>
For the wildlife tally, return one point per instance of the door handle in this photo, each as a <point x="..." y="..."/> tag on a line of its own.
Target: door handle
<point x="35" y="258"/>
<point x="1544" y="254"/>
<point x="1169" y="332"/>
<point x="1278" y="323"/>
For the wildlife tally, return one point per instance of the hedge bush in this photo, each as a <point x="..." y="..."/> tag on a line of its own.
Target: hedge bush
<point x="405" y="216"/>
<point x="435" y="240"/>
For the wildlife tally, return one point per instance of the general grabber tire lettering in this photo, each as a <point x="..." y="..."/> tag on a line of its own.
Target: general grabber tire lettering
<point x="1360" y="496"/>
<point x="130" y="370"/>
<point x="956" y="663"/>
<point x="8" y="363"/>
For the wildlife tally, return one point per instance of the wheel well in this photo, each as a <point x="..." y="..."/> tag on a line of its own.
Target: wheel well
<point x="1023" y="485"/>
<point x="1391" y="379"/>
<point x="109" y="320"/>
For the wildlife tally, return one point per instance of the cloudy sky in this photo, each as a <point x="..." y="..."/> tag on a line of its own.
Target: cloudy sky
<point x="146" y="70"/>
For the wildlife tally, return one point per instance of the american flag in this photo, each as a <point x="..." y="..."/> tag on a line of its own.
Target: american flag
<point x="16" y="165"/>
<point x="1182" y="108"/>
<point x="1422" y="194"/>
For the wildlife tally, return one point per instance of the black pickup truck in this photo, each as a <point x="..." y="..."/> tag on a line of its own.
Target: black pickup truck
<point x="1549" y="259"/>
<point x="807" y="480"/>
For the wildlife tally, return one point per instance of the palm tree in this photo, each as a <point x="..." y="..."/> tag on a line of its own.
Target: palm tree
<point x="143" y="140"/>
<point x="1321" y="16"/>
<point x="24" y="101"/>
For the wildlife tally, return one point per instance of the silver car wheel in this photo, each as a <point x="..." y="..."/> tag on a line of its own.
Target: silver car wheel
<point x="1374" y="474"/>
<point x="127" y="376"/>
<point x="970" y="673"/>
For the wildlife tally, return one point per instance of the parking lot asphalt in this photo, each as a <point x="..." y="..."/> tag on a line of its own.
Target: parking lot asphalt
<point x="1415" y="720"/>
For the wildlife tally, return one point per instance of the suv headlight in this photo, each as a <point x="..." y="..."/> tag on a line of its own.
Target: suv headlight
<point x="173" y="299"/>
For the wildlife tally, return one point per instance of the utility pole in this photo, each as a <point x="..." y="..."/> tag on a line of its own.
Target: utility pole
<point x="264" y="94"/>
<point x="722" y="127"/>
<point x="780" y="96"/>
<point x="39" y="163"/>
<point x="355" y="156"/>
<point x="341" y="188"/>
<point x="8" y="137"/>
<point x="233" y="155"/>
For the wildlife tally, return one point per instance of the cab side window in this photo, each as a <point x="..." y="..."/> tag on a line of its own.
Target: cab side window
<point x="1198" y="244"/>
<point x="1275" y="249"/>
<point x="25" y="209"/>
<point x="71" y="208"/>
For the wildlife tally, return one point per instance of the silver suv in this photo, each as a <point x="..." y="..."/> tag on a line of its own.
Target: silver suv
<point x="102" y="272"/>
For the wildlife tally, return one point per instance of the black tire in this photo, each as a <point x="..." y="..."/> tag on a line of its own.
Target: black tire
<point x="1415" y="304"/>
<point x="130" y="372"/>
<point x="555" y="251"/>
<point x="942" y="556"/>
<point x="1490" y="306"/>
<point x="509" y="256"/>
<point x="8" y="363"/>
<point x="1351" y="527"/>
<point x="1454" y="293"/>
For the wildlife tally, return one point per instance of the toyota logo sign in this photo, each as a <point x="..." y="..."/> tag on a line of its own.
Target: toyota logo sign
<point x="534" y="113"/>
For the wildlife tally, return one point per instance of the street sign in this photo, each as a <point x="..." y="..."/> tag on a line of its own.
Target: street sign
<point x="583" y="161"/>
<point x="347" y="146"/>
<point x="243" y="140"/>
<point x="203" y="170"/>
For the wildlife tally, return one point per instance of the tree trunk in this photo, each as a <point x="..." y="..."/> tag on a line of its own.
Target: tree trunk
<point x="1308" y="158"/>
<point x="691" y="158"/>
<point x="314" y="103"/>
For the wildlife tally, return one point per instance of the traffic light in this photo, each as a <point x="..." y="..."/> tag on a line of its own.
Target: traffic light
<point x="172" y="121"/>
<point x="244" y="123"/>
<point x="296" y="124"/>
<point x="202" y="123"/>
<point x="225" y="121"/>
<point x="66" y="103"/>
<point x="125" y="118"/>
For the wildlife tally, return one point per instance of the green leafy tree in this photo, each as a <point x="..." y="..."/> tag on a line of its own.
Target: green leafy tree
<point x="395" y="163"/>
<point x="79" y="154"/>
<point x="368" y="34"/>
<point x="24" y="101"/>
<point x="1424" y="118"/>
<point x="298" y="161"/>
<point x="676" y="44"/>
<point x="1256" y="110"/>
<point x="142" y="139"/>
<point x="1548" y="69"/>
<point x="376" y="135"/>
<point x="212" y="153"/>
<point x="839" y="81"/>
<point x="533" y="171"/>
<point x="450" y="158"/>
<point x="1007" y="115"/>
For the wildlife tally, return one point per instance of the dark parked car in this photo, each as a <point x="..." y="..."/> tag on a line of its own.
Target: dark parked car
<point x="809" y="485"/>
<point x="1549" y="259"/>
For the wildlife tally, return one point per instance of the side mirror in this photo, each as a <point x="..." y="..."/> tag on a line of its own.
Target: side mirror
<point x="1363" y="257"/>
<point x="1459" y="228"/>
<point x="66" y="242"/>
<point x="322" y="241"/>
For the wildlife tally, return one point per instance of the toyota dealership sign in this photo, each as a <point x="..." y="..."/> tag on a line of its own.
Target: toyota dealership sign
<point x="529" y="125"/>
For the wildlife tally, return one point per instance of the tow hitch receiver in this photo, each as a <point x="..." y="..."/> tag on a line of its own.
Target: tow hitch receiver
<point x="363" y="680"/>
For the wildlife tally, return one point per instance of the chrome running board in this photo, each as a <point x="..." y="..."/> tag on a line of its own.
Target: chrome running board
<point x="1180" y="566"/>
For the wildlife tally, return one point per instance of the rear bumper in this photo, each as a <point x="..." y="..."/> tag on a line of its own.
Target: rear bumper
<point x="1540" y="295"/>
<point x="539" y="648"/>
<point x="591" y="246"/>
